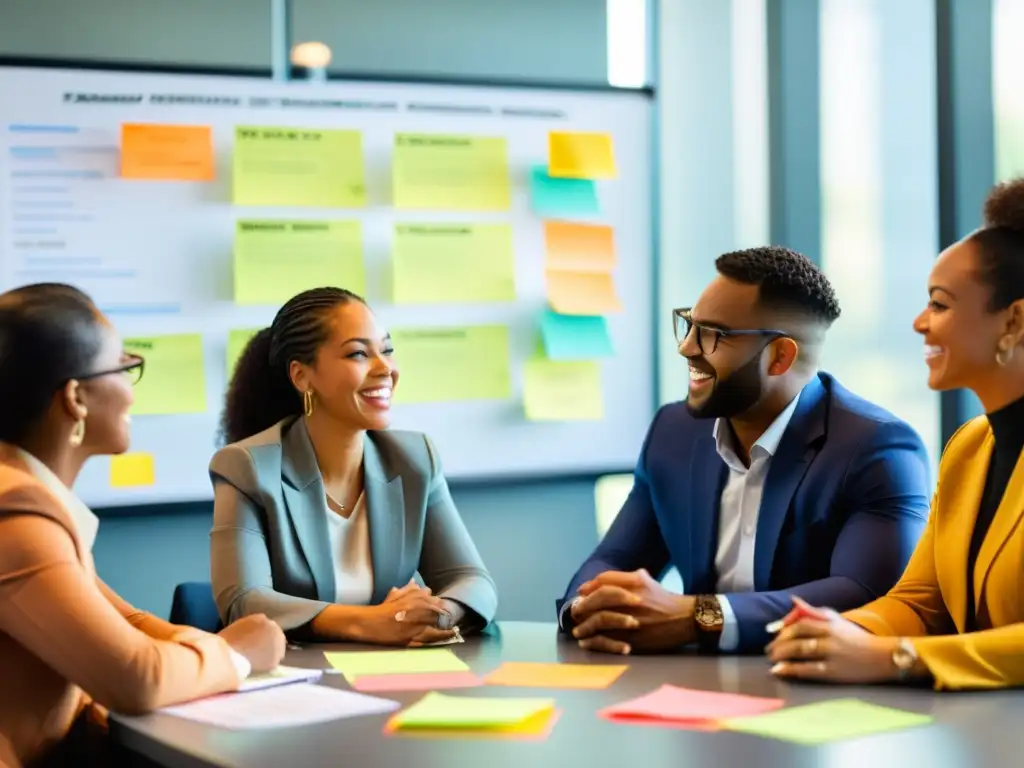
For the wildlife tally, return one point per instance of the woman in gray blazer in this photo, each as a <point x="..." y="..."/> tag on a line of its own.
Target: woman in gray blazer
<point x="322" y="517"/>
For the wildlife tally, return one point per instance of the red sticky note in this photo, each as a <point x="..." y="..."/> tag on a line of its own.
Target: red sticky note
<point x="428" y="681"/>
<point x="674" y="707"/>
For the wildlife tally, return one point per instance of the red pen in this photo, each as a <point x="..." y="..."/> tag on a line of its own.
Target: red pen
<point x="801" y="613"/>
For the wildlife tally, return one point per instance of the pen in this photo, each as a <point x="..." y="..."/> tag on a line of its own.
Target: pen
<point x="776" y="626"/>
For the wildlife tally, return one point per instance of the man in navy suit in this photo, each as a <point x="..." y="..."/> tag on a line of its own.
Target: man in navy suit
<point x="771" y="481"/>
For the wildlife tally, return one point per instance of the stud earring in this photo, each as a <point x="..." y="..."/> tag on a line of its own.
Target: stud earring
<point x="77" y="433"/>
<point x="307" y="402"/>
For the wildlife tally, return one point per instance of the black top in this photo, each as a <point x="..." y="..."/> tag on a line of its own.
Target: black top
<point x="1008" y="428"/>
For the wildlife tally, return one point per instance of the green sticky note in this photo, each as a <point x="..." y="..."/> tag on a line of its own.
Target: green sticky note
<point x="439" y="710"/>
<point x="452" y="364"/>
<point x="575" y="337"/>
<point x="174" y="379"/>
<point x="298" y="166"/>
<point x="826" y="721"/>
<point x="555" y="390"/>
<point x="554" y="198"/>
<point x="237" y="341"/>
<point x="274" y="260"/>
<point x="453" y="263"/>
<point x="455" y="173"/>
<point x="354" y="664"/>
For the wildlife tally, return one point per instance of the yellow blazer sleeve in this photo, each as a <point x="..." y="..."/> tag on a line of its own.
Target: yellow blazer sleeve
<point x="914" y="606"/>
<point x="991" y="658"/>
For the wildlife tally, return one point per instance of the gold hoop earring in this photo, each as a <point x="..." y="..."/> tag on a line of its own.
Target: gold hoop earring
<point x="307" y="402"/>
<point x="77" y="433"/>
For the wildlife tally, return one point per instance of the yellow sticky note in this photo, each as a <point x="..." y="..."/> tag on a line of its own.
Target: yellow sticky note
<point x="579" y="247"/>
<point x="274" y="260"/>
<point x="582" y="293"/>
<point x="453" y="263"/>
<point x="237" y="341"/>
<point x="175" y="378"/>
<point x="576" y="155"/>
<point x="562" y="391"/>
<point x="456" y="173"/>
<point x="131" y="470"/>
<point x="441" y="710"/>
<point x="298" y="167"/>
<point x="167" y="152"/>
<point x="452" y="364"/>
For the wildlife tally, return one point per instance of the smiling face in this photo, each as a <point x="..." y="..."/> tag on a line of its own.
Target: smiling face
<point x="961" y="333"/>
<point x="354" y="375"/>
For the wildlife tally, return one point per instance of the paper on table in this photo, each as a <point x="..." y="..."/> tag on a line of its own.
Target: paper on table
<point x="825" y="721"/>
<point x="298" y="167"/>
<point x="354" y="664"/>
<point x="535" y="728"/>
<point x="274" y="260"/>
<point x="281" y="706"/>
<point x="281" y="676"/>
<point x="579" y="155"/>
<point x="418" y="681"/>
<point x="132" y="470"/>
<point x="237" y="341"/>
<point x="455" y="173"/>
<point x="575" y="337"/>
<point x="452" y="364"/>
<point x="439" y="710"/>
<point x="579" y="247"/>
<point x="555" y="198"/>
<point x="453" y="263"/>
<point x="166" y="152"/>
<point x="673" y="707"/>
<point x="562" y="391"/>
<point x="175" y="378"/>
<point x="538" y="675"/>
<point x="582" y="293"/>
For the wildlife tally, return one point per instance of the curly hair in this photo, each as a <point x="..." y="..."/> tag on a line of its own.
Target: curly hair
<point x="261" y="392"/>
<point x="1000" y="244"/>
<point x="785" y="279"/>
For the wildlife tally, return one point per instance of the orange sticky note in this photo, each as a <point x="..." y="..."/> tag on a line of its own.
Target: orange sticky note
<point x="582" y="293"/>
<point x="580" y="247"/>
<point x="167" y="152"/>
<point x="576" y="155"/>
<point x="131" y="470"/>
<point x="536" y="675"/>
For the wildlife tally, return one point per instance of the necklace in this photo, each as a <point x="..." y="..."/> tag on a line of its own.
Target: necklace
<point x="334" y="501"/>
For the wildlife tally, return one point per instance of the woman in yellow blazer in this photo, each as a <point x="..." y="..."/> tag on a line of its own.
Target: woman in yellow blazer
<point x="69" y="646"/>
<point x="956" y="617"/>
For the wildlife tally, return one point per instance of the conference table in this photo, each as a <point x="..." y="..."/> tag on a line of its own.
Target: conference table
<point x="969" y="729"/>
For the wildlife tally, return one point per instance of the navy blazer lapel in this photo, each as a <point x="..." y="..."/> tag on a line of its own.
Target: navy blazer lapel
<point x="305" y="499"/>
<point x="385" y="509"/>
<point x="707" y="479"/>
<point x="787" y="469"/>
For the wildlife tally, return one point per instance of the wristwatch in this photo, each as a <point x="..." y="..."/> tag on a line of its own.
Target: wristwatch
<point x="904" y="657"/>
<point x="707" y="615"/>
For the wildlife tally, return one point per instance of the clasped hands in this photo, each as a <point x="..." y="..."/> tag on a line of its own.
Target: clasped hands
<point x="618" y="612"/>
<point x="413" y="616"/>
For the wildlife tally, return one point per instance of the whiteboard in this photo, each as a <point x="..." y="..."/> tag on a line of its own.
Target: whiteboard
<point x="157" y="256"/>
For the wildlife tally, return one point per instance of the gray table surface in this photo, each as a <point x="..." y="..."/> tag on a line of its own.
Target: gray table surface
<point x="970" y="729"/>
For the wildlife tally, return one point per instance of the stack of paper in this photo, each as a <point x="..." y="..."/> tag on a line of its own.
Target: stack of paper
<point x="403" y="670"/>
<point x="455" y="716"/>
<point x="673" y="707"/>
<point x="280" y="676"/>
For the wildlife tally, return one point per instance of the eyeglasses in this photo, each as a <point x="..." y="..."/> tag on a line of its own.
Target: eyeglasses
<point x="132" y="369"/>
<point x="708" y="337"/>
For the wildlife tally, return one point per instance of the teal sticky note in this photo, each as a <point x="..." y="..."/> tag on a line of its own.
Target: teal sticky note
<point x="553" y="198"/>
<point x="575" y="337"/>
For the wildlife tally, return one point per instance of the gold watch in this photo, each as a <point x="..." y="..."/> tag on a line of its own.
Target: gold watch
<point x="709" y="621"/>
<point x="904" y="657"/>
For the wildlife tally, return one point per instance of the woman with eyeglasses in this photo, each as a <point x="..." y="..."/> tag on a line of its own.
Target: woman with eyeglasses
<point x="70" y="648"/>
<point x="956" y="617"/>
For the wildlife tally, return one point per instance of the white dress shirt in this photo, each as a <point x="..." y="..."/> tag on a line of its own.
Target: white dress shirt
<point x="739" y="507"/>
<point x="350" y="550"/>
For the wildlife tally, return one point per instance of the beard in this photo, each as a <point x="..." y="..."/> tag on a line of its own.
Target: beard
<point x="733" y="395"/>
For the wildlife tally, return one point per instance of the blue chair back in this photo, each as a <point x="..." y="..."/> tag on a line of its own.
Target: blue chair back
<point x="193" y="606"/>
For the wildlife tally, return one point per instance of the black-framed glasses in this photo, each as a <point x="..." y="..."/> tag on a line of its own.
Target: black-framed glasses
<point x="132" y="368"/>
<point x="708" y="337"/>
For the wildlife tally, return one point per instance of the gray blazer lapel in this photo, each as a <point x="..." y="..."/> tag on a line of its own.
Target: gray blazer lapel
<point x="385" y="509"/>
<point x="305" y="499"/>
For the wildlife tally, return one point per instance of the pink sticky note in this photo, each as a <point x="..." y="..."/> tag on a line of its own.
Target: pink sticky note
<point x="674" y="707"/>
<point x="424" y="681"/>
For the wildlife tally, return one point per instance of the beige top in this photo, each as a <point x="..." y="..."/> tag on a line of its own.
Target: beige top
<point x="350" y="547"/>
<point x="68" y="643"/>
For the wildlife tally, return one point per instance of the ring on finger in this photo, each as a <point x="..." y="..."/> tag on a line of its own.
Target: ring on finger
<point x="812" y="647"/>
